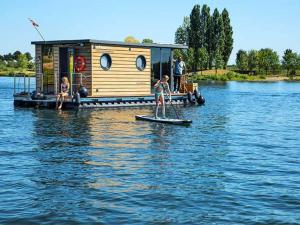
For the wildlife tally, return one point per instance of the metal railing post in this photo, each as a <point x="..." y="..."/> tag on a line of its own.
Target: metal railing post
<point x="24" y="80"/>
<point x="14" y="83"/>
<point x="28" y="77"/>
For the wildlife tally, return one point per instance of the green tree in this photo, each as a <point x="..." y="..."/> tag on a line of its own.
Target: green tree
<point x="252" y="59"/>
<point x="28" y="55"/>
<point x="189" y="58"/>
<point x="228" y="39"/>
<point x="8" y="57"/>
<point x="290" y="62"/>
<point x="147" y="41"/>
<point x="31" y="65"/>
<point x="218" y="60"/>
<point x="204" y="23"/>
<point x="209" y="37"/>
<point x="131" y="39"/>
<point x="22" y="62"/>
<point x="180" y="36"/>
<point x="268" y="60"/>
<point x="241" y="60"/>
<point x="203" y="58"/>
<point x="16" y="55"/>
<point x="194" y="34"/>
<point x="218" y="34"/>
<point x="194" y="31"/>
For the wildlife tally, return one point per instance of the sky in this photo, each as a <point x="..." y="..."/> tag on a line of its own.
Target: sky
<point x="256" y="23"/>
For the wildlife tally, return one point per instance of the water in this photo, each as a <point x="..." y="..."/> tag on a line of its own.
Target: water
<point x="237" y="164"/>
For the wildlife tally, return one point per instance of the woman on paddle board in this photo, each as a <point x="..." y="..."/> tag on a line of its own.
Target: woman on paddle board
<point x="160" y="87"/>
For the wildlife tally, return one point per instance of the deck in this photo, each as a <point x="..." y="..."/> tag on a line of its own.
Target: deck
<point x="49" y="101"/>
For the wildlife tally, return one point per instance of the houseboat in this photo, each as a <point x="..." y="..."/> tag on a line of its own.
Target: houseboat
<point x="102" y="74"/>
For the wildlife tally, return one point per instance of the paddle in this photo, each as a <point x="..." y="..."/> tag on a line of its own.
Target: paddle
<point x="171" y="102"/>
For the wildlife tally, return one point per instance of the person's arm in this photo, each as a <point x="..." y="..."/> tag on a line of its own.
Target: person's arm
<point x="184" y="67"/>
<point x="157" y="83"/>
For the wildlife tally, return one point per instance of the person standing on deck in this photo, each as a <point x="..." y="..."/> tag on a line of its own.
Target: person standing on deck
<point x="179" y="67"/>
<point x="160" y="87"/>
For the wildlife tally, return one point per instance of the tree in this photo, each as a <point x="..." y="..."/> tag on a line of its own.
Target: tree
<point x="209" y="37"/>
<point x="268" y="60"/>
<point x="242" y="60"/>
<point x="252" y="59"/>
<point x="180" y="36"/>
<point x="8" y="57"/>
<point x="204" y="22"/>
<point x="218" y="34"/>
<point x="31" y="65"/>
<point x="147" y="41"/>
<point x="194" y="34"/>
<point x="131" y="39"/>
<point x="203" y="58"/>
<point x="22" y="61"/>
<point x="290" y="62"/>
<point x="28" y="55"/>
<point x="228" y="39"/>
<point x="16" y="55"/>
<point x="218" y="60"/>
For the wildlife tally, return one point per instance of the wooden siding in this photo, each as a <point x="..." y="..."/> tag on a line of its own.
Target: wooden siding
<point x="38" y="66"/>
<point x="123" y="78"/>
<point x="87" y="72"/>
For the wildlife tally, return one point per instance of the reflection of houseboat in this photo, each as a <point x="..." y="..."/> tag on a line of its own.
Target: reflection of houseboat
<point x="101" y="73"/>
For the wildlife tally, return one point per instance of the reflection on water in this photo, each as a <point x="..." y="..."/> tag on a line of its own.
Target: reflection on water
<point x="237" y="163"/>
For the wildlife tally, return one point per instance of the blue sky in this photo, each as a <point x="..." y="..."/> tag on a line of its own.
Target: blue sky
<point x="256" y="23"/>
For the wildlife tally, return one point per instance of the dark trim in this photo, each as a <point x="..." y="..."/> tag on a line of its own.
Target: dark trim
<point x="145" y="61"/>
<point x="119" y="43"/>
<point x="109" y="61"/>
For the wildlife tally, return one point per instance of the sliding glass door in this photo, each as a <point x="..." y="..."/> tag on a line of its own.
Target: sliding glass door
<point x="161" y="64"/>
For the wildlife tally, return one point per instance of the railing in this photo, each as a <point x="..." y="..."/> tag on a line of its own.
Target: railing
<point x="22" y="84"/>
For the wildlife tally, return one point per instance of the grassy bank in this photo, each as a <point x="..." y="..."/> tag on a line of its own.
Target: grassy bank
<point x="227" y="75"/>
<point x="19" y="72"/>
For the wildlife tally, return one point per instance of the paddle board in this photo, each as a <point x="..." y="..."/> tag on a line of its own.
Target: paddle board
<point x="163" y="120"/>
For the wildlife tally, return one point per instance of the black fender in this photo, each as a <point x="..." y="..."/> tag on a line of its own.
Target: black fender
<point x="199" y="98"/>
<point x="190" y="98"/>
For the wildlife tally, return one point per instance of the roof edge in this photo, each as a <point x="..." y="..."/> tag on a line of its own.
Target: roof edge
<point x="92" y="41"/>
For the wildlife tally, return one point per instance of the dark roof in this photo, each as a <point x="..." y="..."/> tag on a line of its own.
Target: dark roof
<point x="83" y="41"/>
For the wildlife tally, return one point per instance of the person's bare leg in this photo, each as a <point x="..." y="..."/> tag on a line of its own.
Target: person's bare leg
<point x="156" y="109"/>
<point x="57" y="100"/>
<point x="163" y="107"/>
<point x="61" y="102"/>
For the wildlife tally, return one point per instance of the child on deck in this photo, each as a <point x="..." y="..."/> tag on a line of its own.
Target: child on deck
<point x="64" y="88"/>
<point x="160" y="87"/>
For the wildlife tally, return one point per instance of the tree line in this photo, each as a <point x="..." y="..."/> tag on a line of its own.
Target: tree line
<point x="267" y="60"/>
<point x="16" y="60"/>
<point x="208" y="36"/>
<point x="131" y="39"/>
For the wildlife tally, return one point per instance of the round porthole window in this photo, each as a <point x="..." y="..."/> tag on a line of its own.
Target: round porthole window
<point x="105" y="61"/>
<point x="141" y="62"/>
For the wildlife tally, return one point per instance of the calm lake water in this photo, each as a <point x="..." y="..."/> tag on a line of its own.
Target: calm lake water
<point x="238" y="163"/>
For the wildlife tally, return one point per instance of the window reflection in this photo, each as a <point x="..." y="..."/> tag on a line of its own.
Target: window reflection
<point x="160" y="64"/>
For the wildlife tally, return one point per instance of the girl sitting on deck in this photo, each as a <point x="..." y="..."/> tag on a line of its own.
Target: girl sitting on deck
<point x="160" y="87"/>
<point x="64" y="88"/>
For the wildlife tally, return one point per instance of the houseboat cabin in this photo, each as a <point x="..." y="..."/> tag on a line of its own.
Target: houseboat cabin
<point x="100" y="69"/>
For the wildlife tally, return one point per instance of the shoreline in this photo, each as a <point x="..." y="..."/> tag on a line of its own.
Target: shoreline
<point x="268" y="79"/>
